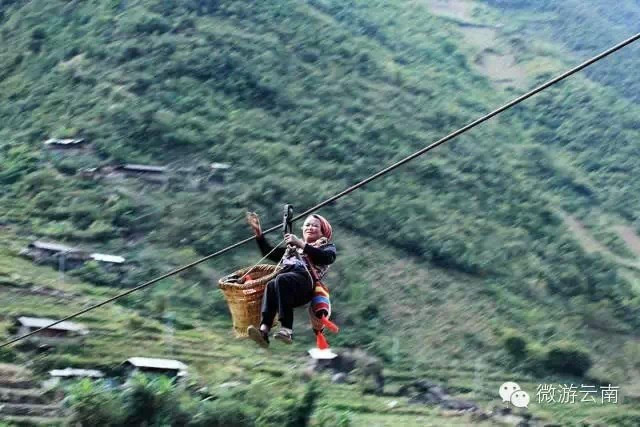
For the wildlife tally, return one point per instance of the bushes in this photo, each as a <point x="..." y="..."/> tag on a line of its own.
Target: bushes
<point x="327" y="417"/>
<point x="290" y="411"/>
<point x="563" y="357"/>
<point x="567" y="358"/>
<point x="143" y="402"/>
<point x="142" y="22"/>
<point x="160" y="402"/>
<point x="152" y="402"/>
<point x="93" y="272"/>
<point x="93" y="404"/>
<point x="222" y="413"/>
<point x="7" y="355"/>
<point x="516" y="345"/>
<point x="631" y="351"/>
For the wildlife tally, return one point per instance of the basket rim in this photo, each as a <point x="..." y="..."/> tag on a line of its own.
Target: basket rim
<point x="251" y="283"/>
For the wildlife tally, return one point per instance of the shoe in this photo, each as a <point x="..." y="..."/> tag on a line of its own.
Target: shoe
<point x="284" y="335"/>
<point x="260" y="337"/>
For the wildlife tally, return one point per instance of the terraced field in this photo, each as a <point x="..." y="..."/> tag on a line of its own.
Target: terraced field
<point x="215" y="357"/>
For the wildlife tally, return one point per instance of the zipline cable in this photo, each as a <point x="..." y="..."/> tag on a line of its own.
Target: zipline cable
<point x="474" y="123"/>
<point x="355" y="186"/>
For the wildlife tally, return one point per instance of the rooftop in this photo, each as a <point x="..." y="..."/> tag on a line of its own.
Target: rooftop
<point x="35" y="322"/>
<point x="148" y="362"/>
<point x="144" y="168"/>
<point x="71" y="372"/>
<point x="67" y="141"/>
<point x="53" y="247"/>
<point x="108" y="258"/>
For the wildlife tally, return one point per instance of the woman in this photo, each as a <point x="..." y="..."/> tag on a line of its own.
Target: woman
<point x="304" y="262"/>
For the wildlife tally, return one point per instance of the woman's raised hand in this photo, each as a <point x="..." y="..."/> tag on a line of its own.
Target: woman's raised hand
<point x="291" y="239"/>
<point x="254" y="223"/>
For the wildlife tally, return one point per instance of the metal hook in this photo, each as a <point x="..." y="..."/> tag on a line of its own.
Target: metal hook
<point x="287" y="220"/>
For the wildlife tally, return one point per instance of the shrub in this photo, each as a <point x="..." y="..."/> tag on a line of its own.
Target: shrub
<point x="516" y="345"/>
<point x="329" y="417"/>
<point x="222" y="413"/>
<point x="623" y="420"/>
<point x="152" y="402"/>
<point x="93" y="272"/>
<point x="134" y="322"/>
<point x="631" y="351"/>
<point x="290" y="412"/>
<point x="93" y="404"/>
<point x="567" y="358"/>
<point x="8" y="355"/>
<point x="66" y="167"/>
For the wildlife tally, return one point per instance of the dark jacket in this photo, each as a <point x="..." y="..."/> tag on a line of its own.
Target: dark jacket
<point x="317" y="259"/>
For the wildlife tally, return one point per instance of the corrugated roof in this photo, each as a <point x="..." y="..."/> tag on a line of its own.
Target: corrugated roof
<point x="148" y="362"/>
<point x="144" y="168"/>
<point x="71" y="372"/>
<point x="53" y="247"/>
<point x="108" y="258"/>
<point x="67" y="141"/>
<point x="220" y="166"/>
<point x="35" y="322"/>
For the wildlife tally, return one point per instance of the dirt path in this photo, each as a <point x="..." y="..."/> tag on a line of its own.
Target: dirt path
<point x="457" y="9"/>
<point x="628" y="234"/>
<point x="591" y="245"/>
<point x="499" y="65"/>
<point x="588" y="243"/>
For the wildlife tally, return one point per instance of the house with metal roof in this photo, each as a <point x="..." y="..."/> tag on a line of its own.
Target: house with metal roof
<point x="64" y="143"/>
<point x="53" y="247"/>
<point x="168" y="367"/>
<point x="55" y="253"/>
<point x="150" y="173"/>
<point x="111" y="259"/>
<point x="69" y="373"/>
<point x="147" y="169"/>
<point x="62" y="332"/>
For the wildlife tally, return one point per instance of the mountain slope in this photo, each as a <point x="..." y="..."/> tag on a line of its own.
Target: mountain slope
<point x="303" y="99"/>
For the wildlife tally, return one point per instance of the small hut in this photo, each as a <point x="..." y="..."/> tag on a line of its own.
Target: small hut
<point x="71" y="373"/>
<point x="62" y="376"/>
<point x="43" y="252"/>
<point x="63" y="332"/>
<point x="49" y="248"/>
<point x="109" y="259"/>
<point x="167" y="367"/>
<point x="155" y="174"/>
<point x="64" y="144"/>
<point x="218" y="172"/>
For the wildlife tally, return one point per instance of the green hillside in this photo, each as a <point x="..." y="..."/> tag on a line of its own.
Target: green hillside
<point x="522" y="230"/>
<point x="582" y="27"/>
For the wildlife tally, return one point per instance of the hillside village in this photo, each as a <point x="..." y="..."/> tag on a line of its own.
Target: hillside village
<point x="135" y="137"/>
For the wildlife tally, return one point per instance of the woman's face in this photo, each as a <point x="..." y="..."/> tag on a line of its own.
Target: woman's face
<point x="311" y="229"/>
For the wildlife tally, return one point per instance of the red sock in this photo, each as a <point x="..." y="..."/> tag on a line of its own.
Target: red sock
<point x="321" y="341"/>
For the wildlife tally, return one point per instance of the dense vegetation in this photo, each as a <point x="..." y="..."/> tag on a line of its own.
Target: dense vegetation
<point x="160" y="401"/>
<point x="584" y="27"/>
<point x="303" y="99"/>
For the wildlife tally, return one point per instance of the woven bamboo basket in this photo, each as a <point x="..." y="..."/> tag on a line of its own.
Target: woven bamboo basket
<point x="245" y="299"/>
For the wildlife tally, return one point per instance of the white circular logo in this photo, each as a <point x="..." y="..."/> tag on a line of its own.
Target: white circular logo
<point x="507" y="389"/>
<point x="520" y="399"/>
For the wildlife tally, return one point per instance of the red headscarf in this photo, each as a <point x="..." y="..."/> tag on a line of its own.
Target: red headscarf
<point x="325" y="227"/>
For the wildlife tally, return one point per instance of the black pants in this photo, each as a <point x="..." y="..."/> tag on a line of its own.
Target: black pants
<point x="287" y="290"/>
